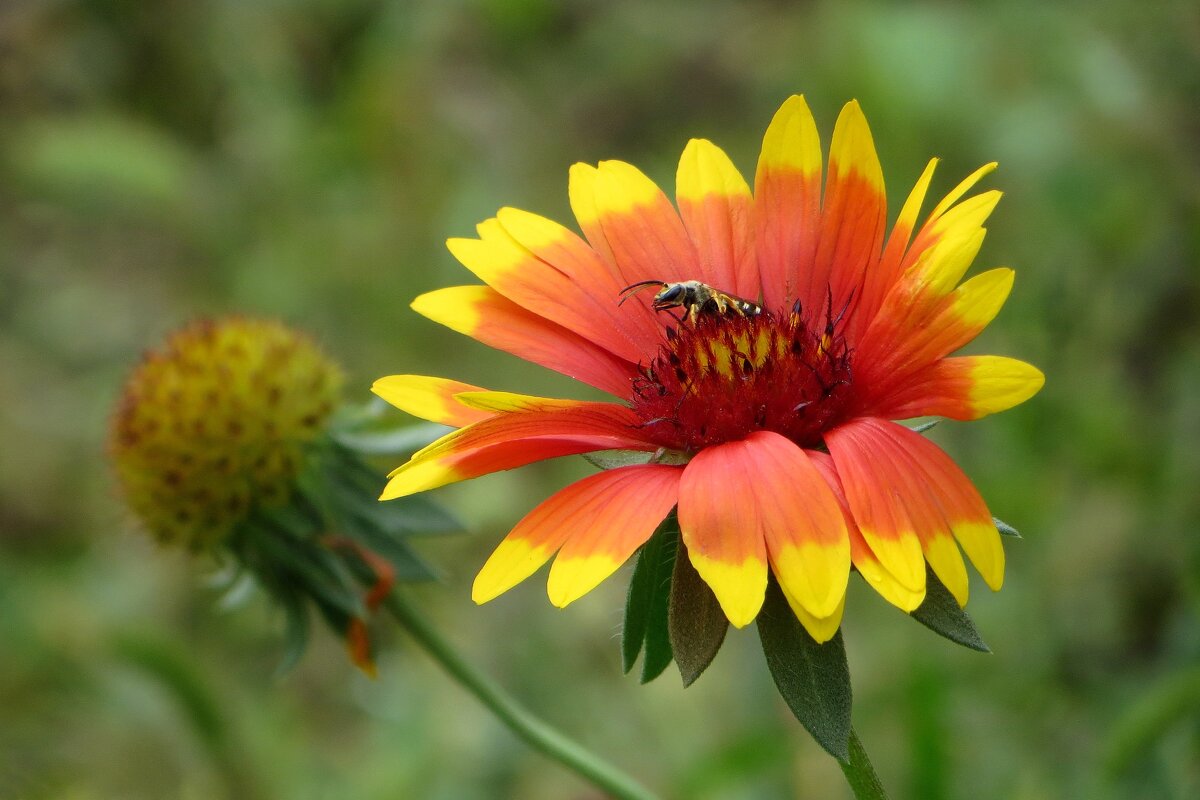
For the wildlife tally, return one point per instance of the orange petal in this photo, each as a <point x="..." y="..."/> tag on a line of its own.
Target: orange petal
<point x="861" y="554"/>
<point x="641" y="226"/>
<point x="913" y="331"/>
<point x="853" y="215"/>
<point x="609" y="516"/>
<point x="911" y="473"/>
<point x="787" y="202"/>
<point x="801" y="523"/>
<point x="965" y="388"/>
<point x="429" y="398"/>
<point x="880" y="278"/>
<point x="570" y="255"/>
<point x="511" y="440"/>
<point x="503" y="263"/>
<point x="602" y="519"/>
<point x="488" y="317"/>
<point x="872" y="493"/>
<point x="715" y="204"/>
<point x="582" y="192"/>
<point x="722" y="523"/>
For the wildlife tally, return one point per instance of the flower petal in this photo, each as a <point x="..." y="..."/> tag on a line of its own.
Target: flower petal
<point x="503" y="263"/>
<point x="570" y="255"/>
<point x="880" y="279"/>
<point x="715" y="204"/>
<point x="964" y="388"/>
<point x="821" y="629"/>
<point x="722" y="528"/>
<point x="641" y="226"/>
<point x="787" y="201"/>
<point x="864" y="559"/>
<point x="510" y="440"/>
<point x="853" y="215"/>
<point x="429" y="398"/>
<point x="488" y="317"/>
<point x="800" y="521"/>
<point x="910" y="477"/>
<point x="947" y="217"/>
<point x="916" y="330"/>
<point x="610" y="516"/>
<point x="581" y="188"/>
<point x="961" y="505"/>
<point x="873" y="494"/>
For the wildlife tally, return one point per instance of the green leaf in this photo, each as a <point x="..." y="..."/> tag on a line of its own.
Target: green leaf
<point x="358" y="485"/>
<point x="1006" y="529"/>
<point x="295" y="630"/>
<point x="658" y="655"/>
<point x="611" y="459"/>
<point x="393" y="441"/>
<point x="696" y="623"/>
<point x="941" y="613"/>
<point x="814" y="679"/>
<point x="647" y="601"/>
<point x="924" y="426"/>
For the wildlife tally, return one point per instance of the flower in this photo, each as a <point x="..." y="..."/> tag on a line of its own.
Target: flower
<point x="229" y="441"/>
<point x="215" y="423"/>
<point x="766" y="393"/>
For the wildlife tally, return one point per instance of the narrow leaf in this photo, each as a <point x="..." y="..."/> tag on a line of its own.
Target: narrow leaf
<point x="658" y="653"/>
<point x="611" y="459"/>
<point x="295" y="631"/>
<point x="695" y="620"/>
<point x="940" y="613"/>
<point x="396" y="441"/>
<point x="924" y="426"/>
<point x="1006" y="529"/>
<point x="647" y="583"/>
<point x="814" y="679"/>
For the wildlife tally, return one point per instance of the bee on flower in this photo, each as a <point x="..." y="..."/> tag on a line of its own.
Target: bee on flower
<point x="807" y="331"/>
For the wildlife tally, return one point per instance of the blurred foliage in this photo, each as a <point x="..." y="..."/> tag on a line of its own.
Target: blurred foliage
<point x="306" y="159"/>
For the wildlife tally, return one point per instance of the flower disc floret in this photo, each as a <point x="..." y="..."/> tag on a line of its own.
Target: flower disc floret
<point x="722" y="377"/>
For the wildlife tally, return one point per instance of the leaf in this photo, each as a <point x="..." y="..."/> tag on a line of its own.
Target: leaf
<point x="941" y="613"/>
<point x="295" y="630"/>
<point x="358" y="485"/>
<point x="393" y="441"/>
<point x="647" y="602"/>
<point x="1006" y="529"/>
<point x="924" y="426"/>
<point x="814" y="679"/>
<point x="695" y="621"/>
<point x="611" y="459"/>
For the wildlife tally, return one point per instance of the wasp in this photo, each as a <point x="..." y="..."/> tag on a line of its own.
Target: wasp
<point x="695" y="298"/>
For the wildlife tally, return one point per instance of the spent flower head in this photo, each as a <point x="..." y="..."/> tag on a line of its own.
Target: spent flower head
<point x="227" y="441"/>
<point x="217" y="421"/>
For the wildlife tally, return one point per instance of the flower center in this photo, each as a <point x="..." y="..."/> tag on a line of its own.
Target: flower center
<point x="722" y="376"/>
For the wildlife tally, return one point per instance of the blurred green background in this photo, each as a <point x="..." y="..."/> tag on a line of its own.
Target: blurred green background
<point x="306" y="160"/>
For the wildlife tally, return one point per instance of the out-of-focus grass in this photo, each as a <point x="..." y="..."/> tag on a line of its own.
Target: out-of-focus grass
<point x="306" y="160"/>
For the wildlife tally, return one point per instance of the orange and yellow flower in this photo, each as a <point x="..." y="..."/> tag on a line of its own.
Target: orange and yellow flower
<point x="769" y="431"/>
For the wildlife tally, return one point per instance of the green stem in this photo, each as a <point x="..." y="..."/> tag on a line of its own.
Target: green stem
<point x="536" y="733"/>
<point x="859" y="772"/>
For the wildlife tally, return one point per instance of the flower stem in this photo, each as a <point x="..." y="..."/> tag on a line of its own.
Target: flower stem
<point x="536" y="733"/>
<point x="860" y="774"/>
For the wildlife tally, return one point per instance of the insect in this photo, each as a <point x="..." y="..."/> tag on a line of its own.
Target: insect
<point x="695" y="298"/>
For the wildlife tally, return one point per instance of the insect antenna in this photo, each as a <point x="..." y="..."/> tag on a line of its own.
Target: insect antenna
<point x="633" y="288"/>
